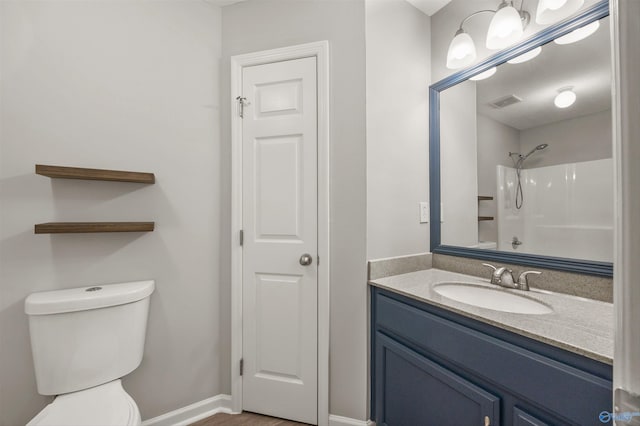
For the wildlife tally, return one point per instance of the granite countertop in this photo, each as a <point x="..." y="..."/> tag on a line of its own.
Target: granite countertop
<point x="579" y="325"/>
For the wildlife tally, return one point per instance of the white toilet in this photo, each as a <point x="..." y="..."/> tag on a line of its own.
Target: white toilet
<point x="83" y="341"/>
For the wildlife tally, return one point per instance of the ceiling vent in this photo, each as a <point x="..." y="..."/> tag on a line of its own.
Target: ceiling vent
<point x="505" y="101"/>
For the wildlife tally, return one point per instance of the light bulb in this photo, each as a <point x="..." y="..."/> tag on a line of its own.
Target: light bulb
<point x="565" y="98"/>
<point x="526" y="56"/>
<point x="550" y="11"/>
<point x="554" y="4"/>
<point x="579" y="34"/>
<point x="462" y="51"/>
<point x="505" y="28"/>
<point x="485" y="74"/>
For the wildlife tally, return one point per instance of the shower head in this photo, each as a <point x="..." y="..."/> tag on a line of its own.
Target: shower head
<point x="537" y="148"/>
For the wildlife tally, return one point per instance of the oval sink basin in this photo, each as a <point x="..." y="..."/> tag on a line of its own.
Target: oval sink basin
<point x="490" y="298"/>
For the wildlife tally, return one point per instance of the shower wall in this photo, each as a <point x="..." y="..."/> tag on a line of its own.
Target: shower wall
<point x="567" y="210"/>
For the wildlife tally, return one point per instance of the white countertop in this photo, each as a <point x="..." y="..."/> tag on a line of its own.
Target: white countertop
<point x="579" y="325"/>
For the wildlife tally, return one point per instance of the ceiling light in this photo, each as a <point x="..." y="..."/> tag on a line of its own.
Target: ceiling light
<point x="462" y="51"/>
<point x="565" y="98"/>
<point x="579" y="34"/>
<point x="550" y="11"/>
<point x="505" y="27"/>
<point x="526" y="56"/>
<point x="486" y="74"/>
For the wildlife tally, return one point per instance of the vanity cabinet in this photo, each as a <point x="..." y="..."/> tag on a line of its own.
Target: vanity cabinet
<point x="434" y="367"/>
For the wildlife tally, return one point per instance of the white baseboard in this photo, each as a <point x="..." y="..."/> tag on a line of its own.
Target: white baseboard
<point x="222" y="404"/>
<point x="347" y="421"/>
<point x="192" y="413"/>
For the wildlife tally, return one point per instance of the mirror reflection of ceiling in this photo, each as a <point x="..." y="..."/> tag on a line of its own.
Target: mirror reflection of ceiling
<point x="584" y="65"/>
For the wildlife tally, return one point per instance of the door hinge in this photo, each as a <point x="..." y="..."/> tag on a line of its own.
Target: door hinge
<point x="318" y="262"/>
<point x="242" y="102"/>
<point x="241" y="366"/>
<point x="241" y="237"/>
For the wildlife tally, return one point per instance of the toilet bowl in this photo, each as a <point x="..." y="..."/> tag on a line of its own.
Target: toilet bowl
<point x="83" y="340"/>
<point x="106" y="404"/>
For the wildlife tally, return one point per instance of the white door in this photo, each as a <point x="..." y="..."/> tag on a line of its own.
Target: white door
<point x="626" y="359"/>
<point x="280" y="278"/>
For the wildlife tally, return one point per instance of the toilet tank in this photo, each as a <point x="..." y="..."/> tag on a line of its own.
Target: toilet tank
<point x="84" y="337"/>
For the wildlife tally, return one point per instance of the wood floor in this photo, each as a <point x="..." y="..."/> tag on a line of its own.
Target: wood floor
<point x="244" y="419"/>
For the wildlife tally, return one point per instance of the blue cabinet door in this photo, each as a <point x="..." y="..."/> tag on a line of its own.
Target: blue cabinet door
<point x="412" y="390"/>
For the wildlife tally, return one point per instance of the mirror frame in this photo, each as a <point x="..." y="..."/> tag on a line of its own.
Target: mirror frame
<point x="605" y="269"/>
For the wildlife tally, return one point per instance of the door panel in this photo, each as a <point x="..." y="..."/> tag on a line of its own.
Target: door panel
<point x="278" y="200"/>
<point x="279" y="98"/>
<point x="278" y="350"/>
<point x="279" y="133"/>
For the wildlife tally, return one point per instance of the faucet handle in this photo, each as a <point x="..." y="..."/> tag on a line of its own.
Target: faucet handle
<point x="495" y="268"/>
<point x="522" y="279"/>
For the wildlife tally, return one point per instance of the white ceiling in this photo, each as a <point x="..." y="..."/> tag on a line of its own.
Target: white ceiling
<point x="585" y="65"/>
<point x="429" y="6"/>
<point x="222" y="3"/>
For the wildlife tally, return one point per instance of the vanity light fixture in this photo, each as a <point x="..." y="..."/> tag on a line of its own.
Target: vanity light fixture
<point x="462" y="51"/>
<point x="526" y="56"/>
<point x="565" y="97"/>
<point x="578" y="34"/>
<point x="550" y="11"/>
<point x="484" y="75"/>
<point x="506" y="27"/>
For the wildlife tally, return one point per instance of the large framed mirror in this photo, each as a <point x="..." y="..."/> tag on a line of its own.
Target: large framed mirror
<point x="521" y="166"/>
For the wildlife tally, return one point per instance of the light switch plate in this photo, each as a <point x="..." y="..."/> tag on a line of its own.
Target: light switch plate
<point x="424" y="212"/>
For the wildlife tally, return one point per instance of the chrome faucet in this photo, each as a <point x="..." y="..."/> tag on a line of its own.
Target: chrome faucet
<point x="503" y="276"/>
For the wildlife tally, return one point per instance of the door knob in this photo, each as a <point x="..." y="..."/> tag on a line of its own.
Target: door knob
<point x="306" y="259"/>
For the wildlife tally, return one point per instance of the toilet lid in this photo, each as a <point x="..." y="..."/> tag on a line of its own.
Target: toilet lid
<point x="104" y="405"/>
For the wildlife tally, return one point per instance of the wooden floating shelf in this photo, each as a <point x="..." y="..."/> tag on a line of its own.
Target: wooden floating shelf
<point x="485" y="218"/>
<point x="89" y="227"/>
<point x="485" y="198"/>
<point x="61" y="172"/>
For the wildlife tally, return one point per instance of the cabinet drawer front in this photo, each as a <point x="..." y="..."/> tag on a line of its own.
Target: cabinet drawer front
<point x="412" y="390"/>
<point x="522" y="418"/>
<point x="573" y="394"/>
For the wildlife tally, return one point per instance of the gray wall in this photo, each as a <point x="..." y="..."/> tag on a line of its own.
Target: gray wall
<point x="266" y="24"/>
<point x="130" y="86"/>
<point x="495" y="141"/>
<point x="398" y="77"/>
<point x="459" y="165"/>
<point x="583" y="138"/>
